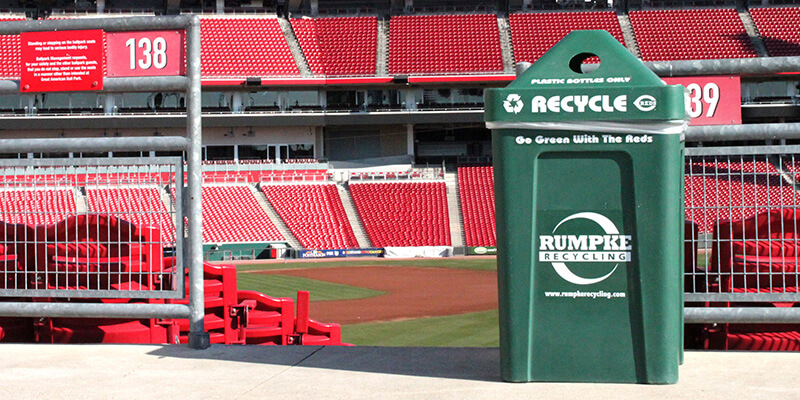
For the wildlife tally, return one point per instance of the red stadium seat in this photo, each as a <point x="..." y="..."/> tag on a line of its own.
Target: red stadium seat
<point x="476" y="191"/>
<point x="314" y="214"/>
<point x="532" y="34"/>
<point x="425" y="44"/>
<point x="342" y="46"/>
<point x="691" y="34"/>
<point x="778" y="29"/>
<point x="403" y="213"/>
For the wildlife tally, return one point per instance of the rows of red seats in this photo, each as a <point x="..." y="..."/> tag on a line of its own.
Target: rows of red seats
<point x="10" y="57"/>
<point x="779" y="30"/>
<point x="305" y="29"/>
<point x="403" y="213"/>
<point x="532" y="34"/>
<point x="314" y="214"/>
<point x="420" y="44"/>
<point x="476" y="191"/>
<point x="255" y="176"/>
<point x="36" y="206"/>
<point x="139" y="205"/>
<point x="342" y="46"/>
<point x="244" y="47"/>
<point x="733" y="190"/>
<point x="690" y="34"/>
<point x="231" y="213"/>
<point x="254" y="46"/>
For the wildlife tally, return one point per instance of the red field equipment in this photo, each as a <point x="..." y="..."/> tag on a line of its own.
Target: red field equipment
<point x="239" y="317"/>
<point x="313" y="333"/>
<point x="758" y="254"/>
<point x="81" y="252"/>
<point x="106" y="253"/>
<point x="267" y="320"/>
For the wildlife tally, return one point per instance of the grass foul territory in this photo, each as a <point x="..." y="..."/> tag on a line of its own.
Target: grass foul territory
<point x="287" y="286"/>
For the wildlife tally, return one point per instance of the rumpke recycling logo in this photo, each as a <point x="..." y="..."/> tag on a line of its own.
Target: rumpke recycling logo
<point x="612" y="248"/>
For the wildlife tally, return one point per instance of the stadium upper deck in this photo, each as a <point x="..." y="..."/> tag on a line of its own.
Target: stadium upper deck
<point x="242" y="48"/>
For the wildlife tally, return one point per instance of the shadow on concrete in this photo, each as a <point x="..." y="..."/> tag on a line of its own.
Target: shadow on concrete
<point x="479" y="364"/>
<point x="776" y="47"/>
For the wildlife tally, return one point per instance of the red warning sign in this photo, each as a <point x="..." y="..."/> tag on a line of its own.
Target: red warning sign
<point x="62" y="61"/>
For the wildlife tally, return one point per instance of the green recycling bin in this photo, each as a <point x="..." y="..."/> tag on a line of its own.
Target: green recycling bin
<point x="588" y="169"/>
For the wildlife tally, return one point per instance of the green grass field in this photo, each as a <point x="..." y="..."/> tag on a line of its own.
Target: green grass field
<point x="466" y="330"/>
<point x="460" y="263"/>
<point x="287" y="286"/>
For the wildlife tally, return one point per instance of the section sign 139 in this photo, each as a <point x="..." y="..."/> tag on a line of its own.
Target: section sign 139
<point x="712" y="100"/>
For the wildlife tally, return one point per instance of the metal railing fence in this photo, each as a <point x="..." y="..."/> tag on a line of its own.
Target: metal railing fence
<point x="192" y="251"/>
<point x="741" y="233"/>
<point x="90" y="228"/>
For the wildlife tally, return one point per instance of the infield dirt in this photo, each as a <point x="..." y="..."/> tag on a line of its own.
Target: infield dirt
<point x="411" y="292"/>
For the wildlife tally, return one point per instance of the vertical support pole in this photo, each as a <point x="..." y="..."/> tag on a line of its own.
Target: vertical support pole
<point x="198" y="337"/>
<point x="410" y="140"/>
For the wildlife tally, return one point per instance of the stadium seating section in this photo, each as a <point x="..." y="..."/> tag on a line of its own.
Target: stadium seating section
<point x="476" y="192"/>
<point x="402" y="213"/>
<point x="244" y="47"/>
<point x="231" y="213"/>
<point x="139" y="205"/>
<point x="36" y="206"/>
<point x="690" y="34"/>
<point x="343" y="46"/>
<point x="424" y="44"/>
<point x="255" y="176"/>
<point x="255" y="46"/>
<point x="314" y="214"/>
<point x="532" y="34"/>
<point x="10" y="57"/>
<point x="779" y="30"/>
<point x="305" y="29"/>
<point x="733" y="190"/>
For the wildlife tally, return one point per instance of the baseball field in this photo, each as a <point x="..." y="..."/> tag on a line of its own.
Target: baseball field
<point x="379" y="302"/>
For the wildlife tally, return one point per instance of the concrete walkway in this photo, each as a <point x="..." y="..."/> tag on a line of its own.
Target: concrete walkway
<point x="293" y="372"/>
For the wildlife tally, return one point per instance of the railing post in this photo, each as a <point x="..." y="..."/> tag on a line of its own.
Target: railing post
<point x="198" y="337"/>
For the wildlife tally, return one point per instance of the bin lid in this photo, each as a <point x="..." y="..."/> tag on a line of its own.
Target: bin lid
<point x="561" y="87"/>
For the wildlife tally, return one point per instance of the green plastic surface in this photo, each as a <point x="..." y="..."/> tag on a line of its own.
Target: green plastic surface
<point x="589" y="224"/>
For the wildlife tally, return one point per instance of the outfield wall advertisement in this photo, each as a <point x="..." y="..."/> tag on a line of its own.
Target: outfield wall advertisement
<point x="482" y="251"/>
<point x="334" y="253"/>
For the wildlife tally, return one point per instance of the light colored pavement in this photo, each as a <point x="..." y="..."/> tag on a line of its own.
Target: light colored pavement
<point x="294" y="372"/>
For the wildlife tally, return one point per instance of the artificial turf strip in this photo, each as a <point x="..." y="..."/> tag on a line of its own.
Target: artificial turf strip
<point x="287" y="286"/>
<point x="486" y="264"/>
<point x="466" y="330"/>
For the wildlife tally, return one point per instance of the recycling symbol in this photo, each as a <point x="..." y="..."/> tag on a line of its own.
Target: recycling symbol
<point x="513" y="103"/>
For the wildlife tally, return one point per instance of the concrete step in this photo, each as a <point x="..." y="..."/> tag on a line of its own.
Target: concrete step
<point x="294" y="46"/>
<point x="275" y="218"/>
<point x="505" y="43"/>
<point x="457" y="238"/>
<point x="382" y="60"/>
<point x="166" y="198"/>
<point x="628" y="35"/>
<point x="353" y="217"/>
<point x="81" y="203"/>
<point x="752" y="32"/>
